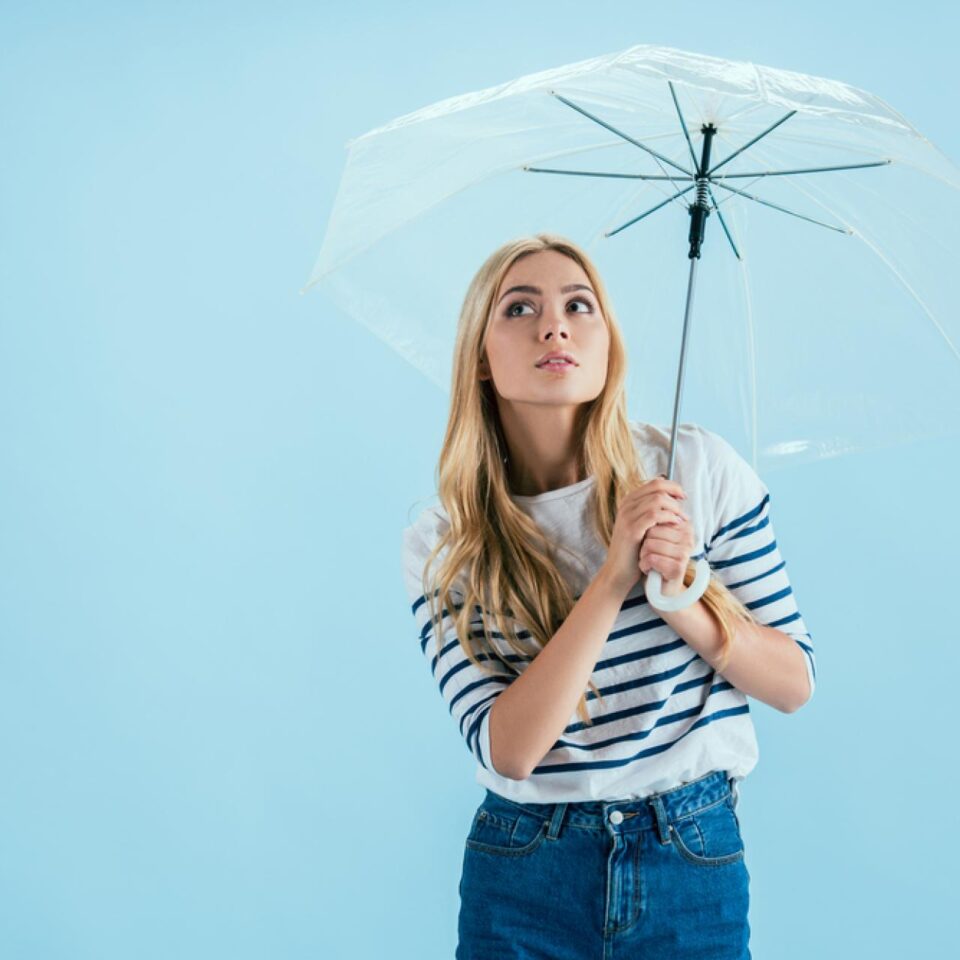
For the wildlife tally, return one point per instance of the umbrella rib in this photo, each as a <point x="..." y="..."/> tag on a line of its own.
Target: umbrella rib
<point x="594" y="173"/>
<point x="723" y="223"/>
<point x="767" y="203"/>
<point x="779" y="173"/>
<point x="651" y="210"/>
<point x="686" y="133"/>
<point x="727" y="199"/>
<point x="620" y="133"/>
<point x="750" y="143"/>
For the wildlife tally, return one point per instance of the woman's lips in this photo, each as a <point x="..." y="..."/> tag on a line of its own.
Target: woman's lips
<point x="557" y="366"/>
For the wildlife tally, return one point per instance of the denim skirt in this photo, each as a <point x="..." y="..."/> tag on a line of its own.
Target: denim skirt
<point x="661" y="878"/>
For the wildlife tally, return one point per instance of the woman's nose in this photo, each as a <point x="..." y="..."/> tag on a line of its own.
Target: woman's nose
<point x="552" y="323"/>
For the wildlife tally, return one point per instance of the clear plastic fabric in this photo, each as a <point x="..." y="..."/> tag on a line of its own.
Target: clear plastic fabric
<point x="816" y="343"/>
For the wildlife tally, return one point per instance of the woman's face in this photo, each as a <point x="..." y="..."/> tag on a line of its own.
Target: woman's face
<point x="556" y="310"/>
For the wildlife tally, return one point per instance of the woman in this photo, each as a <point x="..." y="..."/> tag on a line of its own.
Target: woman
<point x="608" y="821"/>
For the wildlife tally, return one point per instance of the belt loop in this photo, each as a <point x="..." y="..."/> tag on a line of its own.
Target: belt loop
<point x="556" y="820"/>
<point x="734" y="791"/>
<point x="660" y="814"/>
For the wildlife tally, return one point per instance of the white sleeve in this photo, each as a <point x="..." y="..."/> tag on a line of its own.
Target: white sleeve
<point x="468" y="690"/>
<point x="742" y="550"/>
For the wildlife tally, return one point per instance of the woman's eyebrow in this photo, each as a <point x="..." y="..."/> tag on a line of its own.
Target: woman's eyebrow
<point x="528" y="288"/>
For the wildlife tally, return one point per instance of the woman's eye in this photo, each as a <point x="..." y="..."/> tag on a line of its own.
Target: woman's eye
<point x="523" y="303"/>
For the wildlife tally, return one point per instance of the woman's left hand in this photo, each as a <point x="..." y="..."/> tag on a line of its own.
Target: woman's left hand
<point x="667" y="548"/>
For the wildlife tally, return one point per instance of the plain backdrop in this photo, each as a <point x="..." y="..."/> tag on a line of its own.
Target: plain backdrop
<point x="218" y="736"/>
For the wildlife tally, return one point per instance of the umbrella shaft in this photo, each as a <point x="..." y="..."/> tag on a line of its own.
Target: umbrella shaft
<point x="699" y="211"/>
<point x="683" y="357"/>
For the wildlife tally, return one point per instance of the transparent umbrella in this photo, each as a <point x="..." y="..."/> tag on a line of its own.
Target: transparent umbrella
<point x="825" y="321"/>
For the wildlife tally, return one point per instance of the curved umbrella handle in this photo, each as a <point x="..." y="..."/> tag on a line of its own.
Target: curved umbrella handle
<point x="682" y="600"/>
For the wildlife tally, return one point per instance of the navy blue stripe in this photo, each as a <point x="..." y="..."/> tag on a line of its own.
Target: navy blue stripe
<point x="473" y="734"/>
<point x="777" y="624"/>
<point x="479" y="703"/>
<point x="465" y="663"/>
<point x="759" y="576"/>
<point x="744" y="557"/>
<point x="747" y="531"/>
<point x="634" y="655"/>
<point x="632" y="711"/>
<point x="650" y="751"/>
<point x="707" y="678"/>
<point x="491" y="678"/>
<point x="635" y="683"/>
<point x="770" y="598"/>
<point x="808" y="650"/>
<point x="739" y="521"/>
<point x="482" y="682"/>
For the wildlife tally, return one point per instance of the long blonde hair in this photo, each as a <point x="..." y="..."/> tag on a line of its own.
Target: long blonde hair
<point x="499" y="563"/>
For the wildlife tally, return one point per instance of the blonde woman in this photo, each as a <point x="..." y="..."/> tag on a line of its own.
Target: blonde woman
<point x="609" y="736"/>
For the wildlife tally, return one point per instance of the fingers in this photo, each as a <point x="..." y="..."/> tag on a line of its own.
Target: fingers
<point x="667" y="546"/>
<point x="660" y="513"/>
<point x="675" y="520"/>
<point x="667" y="533"/>
<point x="670" y="515"/>
<point x="660" y="482"/>
<point x="663" y="490"/>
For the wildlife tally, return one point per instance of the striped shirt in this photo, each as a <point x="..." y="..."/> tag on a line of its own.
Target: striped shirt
<point x="667" y="716"/>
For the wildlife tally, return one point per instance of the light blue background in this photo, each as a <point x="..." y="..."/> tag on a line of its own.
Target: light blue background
<point x="219" y="737"/>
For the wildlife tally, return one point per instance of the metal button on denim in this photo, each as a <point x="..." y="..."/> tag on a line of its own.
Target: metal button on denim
<point x="616" y="817"/>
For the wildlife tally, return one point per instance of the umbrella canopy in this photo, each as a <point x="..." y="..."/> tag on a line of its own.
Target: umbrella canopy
<point x="825" y="320"/>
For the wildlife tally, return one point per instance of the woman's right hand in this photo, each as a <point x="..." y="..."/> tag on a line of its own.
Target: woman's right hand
<point x="655" y="501"/>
